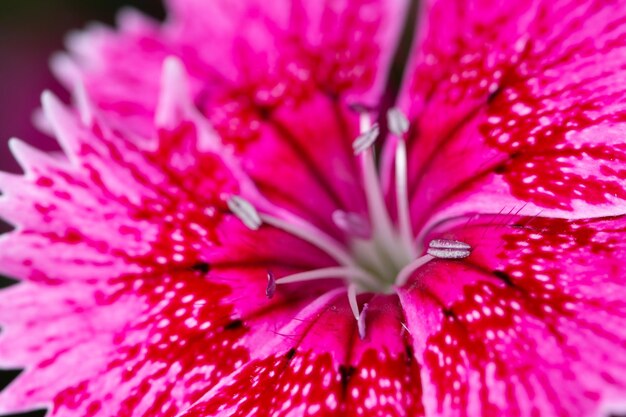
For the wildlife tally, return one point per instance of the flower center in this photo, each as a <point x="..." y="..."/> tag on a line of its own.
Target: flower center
<point x="381" y="255"/>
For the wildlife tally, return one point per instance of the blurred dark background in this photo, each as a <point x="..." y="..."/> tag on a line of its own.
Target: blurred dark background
<point x="30" y="32"/>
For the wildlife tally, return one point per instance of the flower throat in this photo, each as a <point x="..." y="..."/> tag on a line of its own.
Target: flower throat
<point x="380" y="255"/>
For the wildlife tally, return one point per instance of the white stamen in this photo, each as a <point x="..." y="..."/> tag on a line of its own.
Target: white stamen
<point x="354" y="305"/>
<point x="402" y="199"/>
<point x="379" y="216"/>
<point x="352" y="223"/>
<point x="361" y="321"/>
<point x="399" y="125"/>
<point x="449" y="249"/>
<point x="329" y="273"/>
<point x="365" y="120"/>
<point x="408" y="270"/>
<point x="245" y="212"/>
<point x="366" y="139"/>
<point x="397" y="122"/>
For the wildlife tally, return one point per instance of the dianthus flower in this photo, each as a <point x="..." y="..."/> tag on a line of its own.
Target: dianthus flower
<point x="326" y="208"/>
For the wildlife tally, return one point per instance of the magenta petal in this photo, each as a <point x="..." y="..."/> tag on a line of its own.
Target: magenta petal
<point x="118" y="334"/>
<point x="125" y="284"/>
<point x="285" y="47"/>
<point x="303" y="160"/>
<point x="273" y="79"/>
<point x="520" y="104"/>
<point x="315" y="373"/>
<point x="530" y="324"/>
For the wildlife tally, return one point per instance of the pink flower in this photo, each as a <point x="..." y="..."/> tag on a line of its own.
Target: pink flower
<point x="218" y="239"/>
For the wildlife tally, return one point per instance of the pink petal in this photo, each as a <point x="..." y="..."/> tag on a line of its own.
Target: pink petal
<point x="94" y="50"/>
<point x="530" y="324"/>
<point x="119" y="334"/>
<point x="114" y="242"/>
<point x="512" y="108"/>
<point x="140" y="281"/>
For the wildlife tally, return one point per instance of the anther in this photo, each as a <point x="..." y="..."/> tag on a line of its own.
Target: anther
<point x="361" y="321"/>
<point x="245" y="212"/>
<point x="270" y="290"/>
<point x="397" y="122"/>
<point x="448" y="249"/>
<point x="366" y="139"/>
